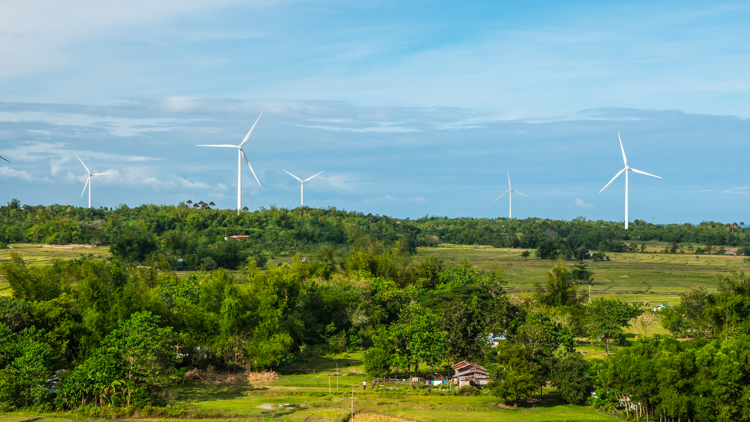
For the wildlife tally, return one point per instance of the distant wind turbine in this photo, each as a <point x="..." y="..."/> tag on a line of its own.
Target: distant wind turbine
<point x="88" y="179"/>
<point x="240" y="156"/>
<point x="1" y="157"/>
<point x="510" y="192"/>
<point x="626" y="170"/>
<point x="302" y="188"/>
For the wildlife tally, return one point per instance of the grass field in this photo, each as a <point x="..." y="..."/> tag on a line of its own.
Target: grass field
<point x="650" y="277"/>
<point x="308" y="398"/>
<point x="37" y="254"/>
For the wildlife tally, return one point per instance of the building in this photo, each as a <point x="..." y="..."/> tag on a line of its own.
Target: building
<point x="468" y="373"/>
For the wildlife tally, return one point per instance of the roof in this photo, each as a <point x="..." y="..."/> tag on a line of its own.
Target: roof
<point x="240" y="236"/>
<point x="465" y="366"/>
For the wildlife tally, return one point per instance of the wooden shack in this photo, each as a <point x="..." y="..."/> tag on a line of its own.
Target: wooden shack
<point x="468" y="373"/>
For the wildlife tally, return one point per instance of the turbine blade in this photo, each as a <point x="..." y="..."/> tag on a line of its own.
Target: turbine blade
<point x="3" y="158"/>
<point x="251" y="167"/>
<point x="219" y="146"/>
<point x="293" y="176"/>
<point x="624" y="158"/>
<point x="613" y="179"/>
<point x="102" y="174"/>
<point x="501" y="196"/>
<point x="515" y="191"/>
<point x="647" y="174"/>
<point x="251" y="131"/>
<point x="312" y="176"/>
<point x="84" y="165"/>
<point x="84" y="186"/>
<point x="508" y="178"/>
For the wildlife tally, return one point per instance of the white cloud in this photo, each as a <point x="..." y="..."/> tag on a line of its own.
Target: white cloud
<point x="18" y="174"/>
<point x="56" y="165"/>
<point x="580" y="203"/>
<point x="736" y="190"/>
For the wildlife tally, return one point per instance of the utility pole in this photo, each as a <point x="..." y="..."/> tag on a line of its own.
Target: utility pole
<point x="352" y="420"/>
<point x="329" y="384"/>
<point x="589" y="294"/>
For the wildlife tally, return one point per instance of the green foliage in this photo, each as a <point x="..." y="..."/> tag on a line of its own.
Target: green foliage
<point x="31" y="283"/>
<point x="25" y="364"/>
<point x="560" y="289"/>
<point x="570" y="376"/>
<point x="607" y="318"/>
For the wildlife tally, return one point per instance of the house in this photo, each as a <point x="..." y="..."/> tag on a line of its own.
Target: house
<point x="658" y="308"/>
<point x="237" y="237"/>
<point x="468" y="373"/>
<point x="495" y="340"/>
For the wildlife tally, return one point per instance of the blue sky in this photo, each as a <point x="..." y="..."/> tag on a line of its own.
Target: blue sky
<point x="411" y="108"/>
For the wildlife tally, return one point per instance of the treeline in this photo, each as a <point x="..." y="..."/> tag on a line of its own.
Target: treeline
<point x="115" y="334"/>
<point x="186" y="237"/>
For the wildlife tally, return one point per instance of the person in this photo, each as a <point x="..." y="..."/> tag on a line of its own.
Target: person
<point x="373" y="383"/>
<point x="364" y="385"/>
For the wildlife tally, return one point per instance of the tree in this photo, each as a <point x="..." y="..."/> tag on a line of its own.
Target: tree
<point x="560" y="289"/>
<point x="132" y="246"/>
<point x="465" y="328"/>
<point x="518" y="376"/>
<point x="25" y="365"/>
<point x="525" y="254"/>
<point x="548" y="249"/>
<point x="582" y="274"/>
<point x="144" y="348"/>
<point x="417" y="338"/>
<point x="570" y="377"/>
<point x="607" y="318"/>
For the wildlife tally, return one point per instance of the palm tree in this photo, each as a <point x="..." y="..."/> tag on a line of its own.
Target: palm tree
<point x="211" y="204"/>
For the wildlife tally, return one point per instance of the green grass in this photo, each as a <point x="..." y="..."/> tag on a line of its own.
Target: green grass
<point x="633" y="277"/>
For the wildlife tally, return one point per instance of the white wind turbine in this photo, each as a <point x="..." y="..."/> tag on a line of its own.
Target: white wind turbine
<point x="510" y="192"/>
<point x="302" y="189"/>
<point x="88" y="179"/>
<point x="240" y="156"/>
<point x="626" y="170"/>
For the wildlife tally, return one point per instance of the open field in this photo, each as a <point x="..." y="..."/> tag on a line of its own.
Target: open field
<point x="307" y="398"/>
<point x="37" y="254"/>
<point x="654" y="278"/>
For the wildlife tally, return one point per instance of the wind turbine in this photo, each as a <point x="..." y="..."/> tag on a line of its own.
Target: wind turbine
<point x="240" y="156"/>
<point x="626" y="170"/>
<point x="302" y="188"/>
<point x="88" y="179"/>
<point x="3" y="158"/>
<point x="510" y="192"/>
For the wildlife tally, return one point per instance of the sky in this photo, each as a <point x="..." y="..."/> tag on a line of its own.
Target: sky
<point x="410" y="108"/>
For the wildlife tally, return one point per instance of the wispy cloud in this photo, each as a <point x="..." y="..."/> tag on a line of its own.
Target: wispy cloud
<point x="581" y="204"/>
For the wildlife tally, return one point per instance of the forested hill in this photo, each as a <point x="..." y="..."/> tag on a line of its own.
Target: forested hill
<point x="186" y="228"/>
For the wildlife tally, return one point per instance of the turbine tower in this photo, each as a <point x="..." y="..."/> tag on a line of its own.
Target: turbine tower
<point x="626" y="170"/>
<point x="88" y="179"/>
<point x="510" y="192"/>
<point x="302" y="189"/>
<point x="240" y="156"/>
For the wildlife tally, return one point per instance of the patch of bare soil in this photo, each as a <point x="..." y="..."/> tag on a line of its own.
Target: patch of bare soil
<point x="211" y="375"/>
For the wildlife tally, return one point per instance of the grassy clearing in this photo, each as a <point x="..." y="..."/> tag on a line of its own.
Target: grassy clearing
<point x="633" y="277"/>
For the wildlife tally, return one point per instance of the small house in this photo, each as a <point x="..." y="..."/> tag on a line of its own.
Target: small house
<point x="468" y="373"/>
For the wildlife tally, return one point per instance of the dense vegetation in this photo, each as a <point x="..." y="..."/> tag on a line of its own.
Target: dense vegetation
<point x="192" y="237"/>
